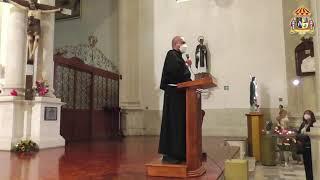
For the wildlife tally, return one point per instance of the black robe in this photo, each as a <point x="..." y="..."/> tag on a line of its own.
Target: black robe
<point x="252" y="93"/>
<point x="173" y="127"/>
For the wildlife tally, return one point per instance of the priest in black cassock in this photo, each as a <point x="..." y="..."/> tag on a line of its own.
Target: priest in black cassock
<point x="172" y="143"/>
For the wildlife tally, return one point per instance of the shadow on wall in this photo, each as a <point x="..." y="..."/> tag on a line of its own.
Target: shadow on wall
<point x="210" y="57"/>
<point x="265" y="100"/>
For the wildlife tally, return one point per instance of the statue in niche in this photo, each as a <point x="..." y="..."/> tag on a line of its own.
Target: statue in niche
<point x="201" y="56"/>
<point x="304" y="58"/>
<point x="34" y="16"/>
<point x="254" y="107"/>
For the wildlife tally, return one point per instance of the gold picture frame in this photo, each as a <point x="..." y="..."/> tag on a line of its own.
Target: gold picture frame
<point x="73" y="5"/>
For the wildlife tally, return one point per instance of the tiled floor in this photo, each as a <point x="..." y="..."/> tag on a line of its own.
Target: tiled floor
<point x="292" y="172"/>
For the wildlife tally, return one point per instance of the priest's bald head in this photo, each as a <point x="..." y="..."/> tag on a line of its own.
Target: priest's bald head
<point x="179" y="44"/>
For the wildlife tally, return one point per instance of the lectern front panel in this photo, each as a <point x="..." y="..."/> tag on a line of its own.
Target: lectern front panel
<point x="194" y="132"/>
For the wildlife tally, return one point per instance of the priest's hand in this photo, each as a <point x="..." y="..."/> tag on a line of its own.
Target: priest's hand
<point x="189" y="62"/>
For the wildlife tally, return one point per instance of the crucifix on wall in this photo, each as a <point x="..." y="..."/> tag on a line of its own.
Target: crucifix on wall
<point x="34" y="10"/>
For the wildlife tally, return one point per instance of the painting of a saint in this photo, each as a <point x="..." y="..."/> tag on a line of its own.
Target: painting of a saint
<point x="73" y="5"/>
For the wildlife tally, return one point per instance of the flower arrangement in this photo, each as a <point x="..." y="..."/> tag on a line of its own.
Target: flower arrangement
<point x="26" y="146"/>
<point x="42" y="88"/>
<point x="284" y="132"/>
<point x="287" y="138"/>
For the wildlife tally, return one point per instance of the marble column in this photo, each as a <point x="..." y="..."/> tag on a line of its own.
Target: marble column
<point x="130" y="67"/>
<point x="315" y="149"/>
<point x="13" y="59"/>
<point x="315" y="131"/>
<point x="315" y="10"/>
<point x="46" y="133"/>
<point x="129" y="54"/>
<point x="45" y="64"/>
<point x="13" y="48"/>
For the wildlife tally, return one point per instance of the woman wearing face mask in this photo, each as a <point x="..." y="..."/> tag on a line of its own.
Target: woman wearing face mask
<point x="304" y="144"/>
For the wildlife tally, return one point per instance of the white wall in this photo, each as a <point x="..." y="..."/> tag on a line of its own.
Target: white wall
<point x="1" y="63"/>
<point x="245" y="37"/>
<point x="98" y="18"/>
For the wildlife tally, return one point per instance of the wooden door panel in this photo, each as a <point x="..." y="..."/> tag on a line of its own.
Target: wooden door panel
<point x="100" y="125"/>
<point x="66" y="125"/>
<point x="81" y="126"/>
<point x="92" y="100"/>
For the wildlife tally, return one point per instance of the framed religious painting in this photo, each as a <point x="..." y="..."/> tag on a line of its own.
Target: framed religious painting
<point x="73" y="5"/>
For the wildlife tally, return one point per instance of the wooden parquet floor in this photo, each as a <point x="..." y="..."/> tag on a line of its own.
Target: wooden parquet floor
<point x="104" y="160"/>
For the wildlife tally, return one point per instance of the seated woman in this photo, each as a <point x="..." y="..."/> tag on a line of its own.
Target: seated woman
<point x="303" y="142"/>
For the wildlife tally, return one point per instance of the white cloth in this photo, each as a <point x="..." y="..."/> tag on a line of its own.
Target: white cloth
<point x="308" y="65"/>
<point x="201" y="69"/>
<point x="304" y="129"/>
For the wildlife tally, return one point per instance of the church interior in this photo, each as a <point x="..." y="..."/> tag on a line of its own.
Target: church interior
<point x="159" y="89"/>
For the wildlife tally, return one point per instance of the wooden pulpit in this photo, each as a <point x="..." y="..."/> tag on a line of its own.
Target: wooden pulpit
<point x="193" y="166"/>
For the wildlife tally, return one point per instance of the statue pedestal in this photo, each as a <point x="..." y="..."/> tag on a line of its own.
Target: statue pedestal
<point x="255" y="126"/>
<point x="45" y="124"/>
<point x="315" y="148"/>
<point x="12" y="110"/>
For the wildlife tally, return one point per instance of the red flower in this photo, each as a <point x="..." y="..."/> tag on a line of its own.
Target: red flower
<point x="14" y="92"/>
<point x="41" y="88"/>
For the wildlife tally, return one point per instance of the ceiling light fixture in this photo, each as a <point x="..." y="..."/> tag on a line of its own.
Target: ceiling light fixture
<point x="180" y="1"/>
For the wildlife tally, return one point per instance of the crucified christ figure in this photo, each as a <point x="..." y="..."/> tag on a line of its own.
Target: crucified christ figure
<point x="34" y="15"/>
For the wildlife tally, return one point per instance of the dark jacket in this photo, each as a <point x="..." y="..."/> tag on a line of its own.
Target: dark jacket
<point x="303" y="138"/>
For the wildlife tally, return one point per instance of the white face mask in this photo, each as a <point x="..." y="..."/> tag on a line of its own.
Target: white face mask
<point x="306" y="116"/>
<point x="183" y="48"/>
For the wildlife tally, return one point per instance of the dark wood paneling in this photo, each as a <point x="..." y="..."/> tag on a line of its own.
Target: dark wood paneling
<point x="75" y="125"/>
<point x="94" y="120"/>
<point x="101" y="124"/>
